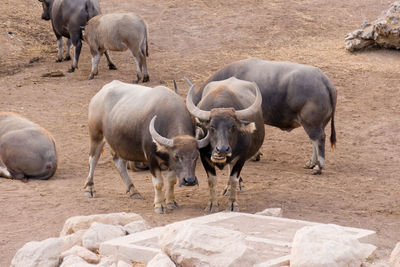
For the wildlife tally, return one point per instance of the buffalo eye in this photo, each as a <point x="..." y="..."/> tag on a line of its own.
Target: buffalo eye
<point x="212" y="129"/>
<point x="232" y="128"/>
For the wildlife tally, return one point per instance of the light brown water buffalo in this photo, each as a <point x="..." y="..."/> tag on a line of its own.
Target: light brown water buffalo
<point x="230" y="111"/>
<point x="118" y="32"/>
<point x="26" y="149"/>
<point x="144" y="124"/>
<point x="293" y="95"/>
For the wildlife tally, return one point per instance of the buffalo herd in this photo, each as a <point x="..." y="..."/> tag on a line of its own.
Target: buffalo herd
<point x="221" y="122"/>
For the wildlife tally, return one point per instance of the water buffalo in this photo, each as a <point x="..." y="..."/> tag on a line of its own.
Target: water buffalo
<point x="293" y="95"/>
<point x="26" y="149"/>
<point x="67" y="17"/>
<point x="144" y="124"/>
<point x="230" y="111"/>
<point x="118" y="32"/>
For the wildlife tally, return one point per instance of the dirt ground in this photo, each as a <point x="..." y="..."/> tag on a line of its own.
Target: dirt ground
<point x="359" y="188"/>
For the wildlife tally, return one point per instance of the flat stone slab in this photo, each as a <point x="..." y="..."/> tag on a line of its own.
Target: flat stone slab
<point x="271" y="236"/>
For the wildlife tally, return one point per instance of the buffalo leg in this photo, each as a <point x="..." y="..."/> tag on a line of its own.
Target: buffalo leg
<point x="159" y="198"/>
<point x="68" y="55"/>
<point x="111" y="64"/>
<point x="60" y="49"/>
<point x="78" y="47"/>
<point x="234" y="178"/>
<point x="317" y="162"/>
<point x="143" y="66"/>
<point x="170" y="196"/>
<point x="95" y="65"/>
<point x="95" y="151"/>
<point x="212" y="205"/>
<point x="123" y="171"/>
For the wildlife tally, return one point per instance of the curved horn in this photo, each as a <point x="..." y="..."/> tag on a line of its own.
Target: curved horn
<point x="157" y="137"/>
<point x="204" y="142"/>
<point x="195" y="111"/>
<point x="246" y="113"/>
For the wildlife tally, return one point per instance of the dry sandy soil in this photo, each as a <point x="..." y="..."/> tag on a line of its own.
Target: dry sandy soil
<point x="359" y="188"/>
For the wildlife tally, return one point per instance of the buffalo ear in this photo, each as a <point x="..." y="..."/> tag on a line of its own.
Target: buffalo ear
<point x="199" y="133"/>
<point x="159" y="147"/>
<point x="248" y="127"/>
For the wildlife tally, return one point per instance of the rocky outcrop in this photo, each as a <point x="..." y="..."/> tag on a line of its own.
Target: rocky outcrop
<point x="383" y="32"/>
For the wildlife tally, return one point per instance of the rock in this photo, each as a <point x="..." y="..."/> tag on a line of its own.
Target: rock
<point x="75" y="261"/>
<point x="45" y="253"/>
<point x="327" y="246"/>
<point x="77" y="223"/>
<point x="383" y="32"/>
<point x="161" y="259"/>
<point x="185" y="244"/>
<point x="74" y="239"/>
<point x="275" y="212"/>
<point x="136" y="226"/>
<point x="394" y="260"/>
<point x="82" y="252"/>
<point x="107" y="261"/>
<point x="99" y="232"/>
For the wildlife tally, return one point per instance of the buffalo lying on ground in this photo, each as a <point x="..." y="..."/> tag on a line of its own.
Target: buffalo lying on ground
<point x="26" y="149"/>
<point x="293" y="95"/>
<point x="144" y="124"/>
<point x="230" y="111"/>
<point x="118" y="32"/>
<point x="67" y="17"/>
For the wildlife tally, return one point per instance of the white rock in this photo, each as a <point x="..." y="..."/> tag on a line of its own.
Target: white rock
<point x="395" y="256"/>
<point x="275" y="212"/>
<point x="99" y="232"/>
<point x="161" y="259"/>
<point x="82" y="252"/>
<point x="76" y="223"/>
<point x="74" y="239"/>
<point x="75" y="261"/>
<point x="45" y="253"/>
<point x="137" y="226"/>
<point x="191" y="244"/>
<point x="327" y="246"/>
<point x="108" y="261"/>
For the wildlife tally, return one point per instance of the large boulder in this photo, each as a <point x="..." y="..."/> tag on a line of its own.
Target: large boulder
<point x="75" y="261"/>
<point x="99" y="232"/>
<point x="77" y="223"/>
<point x="45" y="253"/>
<point x="383" y="32"/>
<point x="327" y="246"/>
<point x="191" y="244"/>
<point x="74" y="239"/>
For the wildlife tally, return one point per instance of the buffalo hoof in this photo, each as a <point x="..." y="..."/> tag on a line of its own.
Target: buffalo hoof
<point x="59" y="60"/>
<point x="172" y="205"/>
<point x="70" y="70"/>
<point x="317" y="172"/>
<point x="160" y="210"/>
<point x="91" y="76"/>
<point x="310" y="164"/>
<point x="212" y="208"/>
<point x="135" y="81"/>
<point x="136" y="196"/>
<point x="90" y="193"/>
<point x="146" y="78"/>
<point x="112" y="67"/>
<point x="233" y="206"/>
<point x="67" y="58"/>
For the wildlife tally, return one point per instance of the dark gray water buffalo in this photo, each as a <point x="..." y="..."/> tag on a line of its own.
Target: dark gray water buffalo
<point x="26" y="149"/>
<point x="293" y="95"/>
<point x="144" y="124"/>
<point x="230" y="111"/>
<point x="67" y="17"/>
<point x="118" y="32"/>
